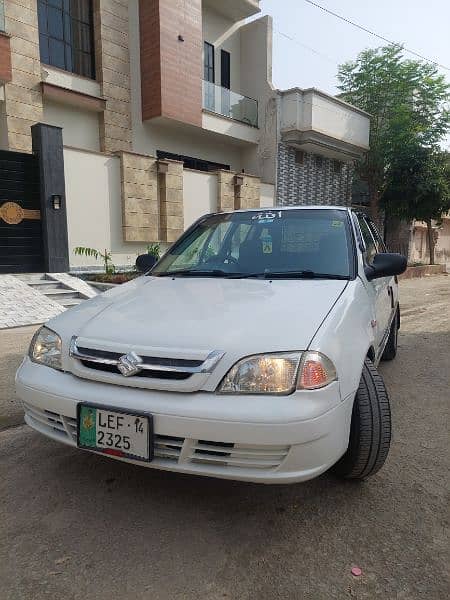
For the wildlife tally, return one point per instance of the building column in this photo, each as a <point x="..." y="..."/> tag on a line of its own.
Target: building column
<point x="23" y="97"/>
<point x="140" y="206"/>
<point x="48" y="146"/>
<point x="247" y="191"/>
<point x="171" y="199"/>
<point x="112" y="59"/>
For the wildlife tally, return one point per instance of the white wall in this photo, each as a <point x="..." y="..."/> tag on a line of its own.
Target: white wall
<point x="339" y="120"/>
<point x="224" y="34"/>
<point x="304" y="110"/>
<point x="256" y="57"/>
<point x="267" y="195"/>
<point x="94" y="209"/>
<point x="80" y="127"/>
<point x="200" y="195"/>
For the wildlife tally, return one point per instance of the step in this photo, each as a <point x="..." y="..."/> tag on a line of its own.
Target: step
<point x="46" y="284"/>
<point x="32" y="277"/>
<point x="62" y="295"/>
<point x="70" y="302"/>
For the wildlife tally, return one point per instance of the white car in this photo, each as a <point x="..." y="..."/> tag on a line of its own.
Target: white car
<point x="248" y="352"/>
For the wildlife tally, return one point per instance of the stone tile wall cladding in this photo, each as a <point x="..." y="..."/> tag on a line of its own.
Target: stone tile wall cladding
<point x="152" y="198"/>
<point x="314" y="181"/>
<point x="171" y="223"/>
<point x="112" y="58"/>
<point x="23" y="98"/>
<point x="232" y="196"/>
<point x="140" y="204"/>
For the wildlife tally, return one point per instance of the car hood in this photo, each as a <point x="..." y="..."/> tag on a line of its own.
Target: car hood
<point x="239" y="316"/>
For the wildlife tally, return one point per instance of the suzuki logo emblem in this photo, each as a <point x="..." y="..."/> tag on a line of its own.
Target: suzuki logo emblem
<point x="129" y="364"/>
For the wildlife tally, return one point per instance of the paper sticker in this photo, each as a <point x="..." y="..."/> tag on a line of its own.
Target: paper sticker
<point x="267" y="216"/>
<point x="266" y="244"/>
<point x="337" y="223"/>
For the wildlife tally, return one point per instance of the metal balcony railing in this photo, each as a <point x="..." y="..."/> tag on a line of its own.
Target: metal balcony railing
<point x="229" y="104"/>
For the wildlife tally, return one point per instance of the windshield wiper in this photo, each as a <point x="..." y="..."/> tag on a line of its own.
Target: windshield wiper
<point x="193" y="273"/>
<point x="305" y="274"/>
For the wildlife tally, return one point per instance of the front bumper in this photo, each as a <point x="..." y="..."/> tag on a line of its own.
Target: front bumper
<point x="249" y="438"/>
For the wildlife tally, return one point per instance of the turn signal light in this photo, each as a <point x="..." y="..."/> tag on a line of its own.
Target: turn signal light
<point x="316" y="371"/>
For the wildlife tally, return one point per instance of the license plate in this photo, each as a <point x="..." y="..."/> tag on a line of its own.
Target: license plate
<point x="116" y="432"/>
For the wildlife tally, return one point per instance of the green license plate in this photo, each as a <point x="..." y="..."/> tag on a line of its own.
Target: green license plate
<point x="115" y="432"/>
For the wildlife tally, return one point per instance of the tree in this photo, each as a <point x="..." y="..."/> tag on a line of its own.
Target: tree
<point x="420" y="189"/>
<point x="407" y="103"/>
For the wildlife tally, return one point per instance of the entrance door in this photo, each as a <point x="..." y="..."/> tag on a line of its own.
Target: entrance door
<point x="21" y="244"/>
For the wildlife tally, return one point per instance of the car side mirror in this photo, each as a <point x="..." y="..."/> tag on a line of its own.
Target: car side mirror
<point x="386" y="264"/>
<point x="145" y="262"/>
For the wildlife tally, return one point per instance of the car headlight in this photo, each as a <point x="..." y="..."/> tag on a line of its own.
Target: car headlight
<point x="279" y="373"/>
<point x="45" y="348"/>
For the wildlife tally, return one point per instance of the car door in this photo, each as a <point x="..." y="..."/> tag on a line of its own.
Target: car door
<point x="380" y="290"/>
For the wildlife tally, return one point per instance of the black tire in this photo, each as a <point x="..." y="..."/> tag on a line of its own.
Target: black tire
<point x="390" y="350"/>
<point x="370" y="430"/>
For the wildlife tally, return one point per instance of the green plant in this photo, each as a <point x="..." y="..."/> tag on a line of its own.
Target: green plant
<point x="105" y="256"/>
<point x="154" y="250"/>
<point x="408" y="105"/>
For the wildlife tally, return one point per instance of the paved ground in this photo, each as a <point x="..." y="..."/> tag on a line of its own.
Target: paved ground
<point x="13" y="345"/>
<point x="77" y="527"/>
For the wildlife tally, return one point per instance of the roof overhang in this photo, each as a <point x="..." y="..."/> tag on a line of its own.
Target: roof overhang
<point x="324" y="145"/>
<point x="234" y="9"/>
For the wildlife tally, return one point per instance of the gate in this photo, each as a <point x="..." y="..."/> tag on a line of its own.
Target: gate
<point x="21" y="241"/>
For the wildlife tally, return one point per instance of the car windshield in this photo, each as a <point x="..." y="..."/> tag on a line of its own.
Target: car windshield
<point x="304" y="243"/>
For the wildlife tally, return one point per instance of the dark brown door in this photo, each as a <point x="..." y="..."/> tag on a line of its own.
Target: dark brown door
<point x="21" y="245"/>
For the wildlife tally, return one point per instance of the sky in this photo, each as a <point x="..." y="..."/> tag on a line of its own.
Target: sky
<point x="321" y="42"/>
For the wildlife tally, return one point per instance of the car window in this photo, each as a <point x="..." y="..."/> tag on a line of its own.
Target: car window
<point x="369" y="241"/>
<point x="265" y="241"/>
<point x="376" y="234"/>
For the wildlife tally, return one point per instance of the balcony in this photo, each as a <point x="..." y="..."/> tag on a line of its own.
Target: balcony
<point x="224" y="102"/>
<point x="319" y="123"/>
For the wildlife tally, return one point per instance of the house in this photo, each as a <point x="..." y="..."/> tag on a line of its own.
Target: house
<point x="121" y="122"/>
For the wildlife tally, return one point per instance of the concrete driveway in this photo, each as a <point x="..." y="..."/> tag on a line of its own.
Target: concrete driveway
<point x="78" y="526"/>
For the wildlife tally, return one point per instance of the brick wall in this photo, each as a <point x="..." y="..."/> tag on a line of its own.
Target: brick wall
<point x="113" y="73"/>
<point x="23" y="99"/>
<point x="313" y="180"/>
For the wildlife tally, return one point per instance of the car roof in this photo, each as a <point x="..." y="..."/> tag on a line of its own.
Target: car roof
<point x="284" y="208"/>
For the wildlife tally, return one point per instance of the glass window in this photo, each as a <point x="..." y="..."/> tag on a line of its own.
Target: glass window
<point x="225" y="72"/>
<point x="369" y="241"/>
<point x="209" y="69"/>
<point x="304" y="242"/>
<point x="376" y="234"/>
<point x="66" y="35"/>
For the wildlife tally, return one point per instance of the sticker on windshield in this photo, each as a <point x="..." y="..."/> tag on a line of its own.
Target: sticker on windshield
<point x="267" y="216"/>
<point x="337" y="223"/>
<point x="266" y="244"/>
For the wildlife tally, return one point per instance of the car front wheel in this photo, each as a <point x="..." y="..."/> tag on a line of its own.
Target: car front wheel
<point x="370" y="430"/>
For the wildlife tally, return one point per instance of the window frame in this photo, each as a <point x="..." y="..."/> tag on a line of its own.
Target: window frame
<point x="209" y="52"/>
<point x="72" y="53"/>
<point x="360" y="217"/>
<point x="225" y="66"/>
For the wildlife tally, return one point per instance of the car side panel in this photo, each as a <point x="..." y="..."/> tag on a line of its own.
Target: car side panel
<point x="347" y="334"/>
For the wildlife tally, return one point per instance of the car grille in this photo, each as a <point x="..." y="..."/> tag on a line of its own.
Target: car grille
<point x="176" y="450"/>
<point x="144" y="366"/>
